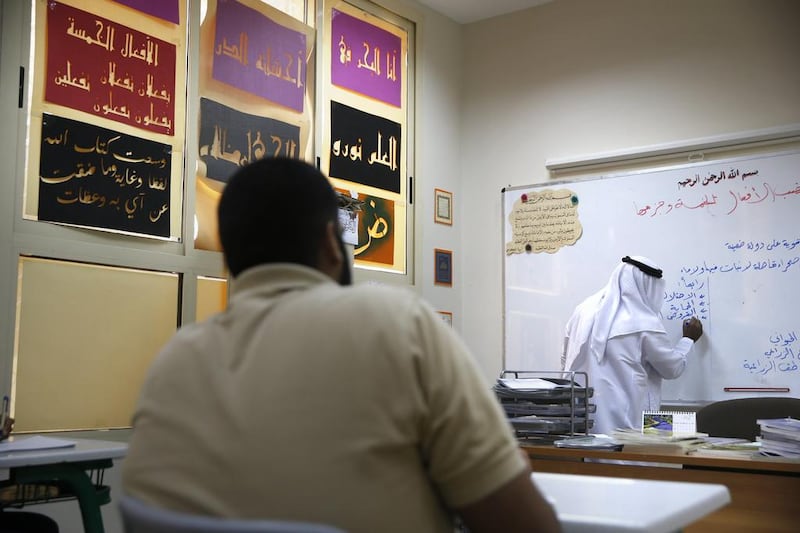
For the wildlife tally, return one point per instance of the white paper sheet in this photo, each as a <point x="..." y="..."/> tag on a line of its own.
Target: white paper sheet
<point x="36" y="442"/>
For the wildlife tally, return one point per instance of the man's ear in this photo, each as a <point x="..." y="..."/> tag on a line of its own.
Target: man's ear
<point x="331" y="260"/>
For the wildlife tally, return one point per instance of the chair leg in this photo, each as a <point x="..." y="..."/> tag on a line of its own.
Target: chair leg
<point x="80" y="484"/>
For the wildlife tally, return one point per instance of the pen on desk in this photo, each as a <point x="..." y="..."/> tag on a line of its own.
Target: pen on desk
<point x="4" y="417"/>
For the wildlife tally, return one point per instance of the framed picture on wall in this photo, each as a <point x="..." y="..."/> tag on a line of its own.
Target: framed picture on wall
<point x="447" y="317"/>
<point x="443" y="207"/>
<point x="443" y="265"/>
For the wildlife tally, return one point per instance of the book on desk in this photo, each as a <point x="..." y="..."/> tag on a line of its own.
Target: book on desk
<point x="780" y="437"/>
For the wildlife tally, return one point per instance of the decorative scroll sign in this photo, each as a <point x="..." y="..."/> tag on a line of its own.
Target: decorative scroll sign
<point x="544" y="222"/>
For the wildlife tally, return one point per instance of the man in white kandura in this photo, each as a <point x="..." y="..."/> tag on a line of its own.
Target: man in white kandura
<point x="617" y="336"/>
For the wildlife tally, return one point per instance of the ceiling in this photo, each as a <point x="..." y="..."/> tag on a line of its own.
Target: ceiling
<point x="466" y="11"/>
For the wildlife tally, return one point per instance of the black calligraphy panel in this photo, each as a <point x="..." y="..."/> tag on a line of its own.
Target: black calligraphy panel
<point x="365" y="148"/>
<point x="100" y="178"/>
<point x="230" y="139"/>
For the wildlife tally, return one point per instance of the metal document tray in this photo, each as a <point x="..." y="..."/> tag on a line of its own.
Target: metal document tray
<point x="546" y="404"/>
<point x="522" y="408"/>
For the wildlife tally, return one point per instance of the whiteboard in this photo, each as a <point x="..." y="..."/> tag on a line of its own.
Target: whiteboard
<point x="726" y="234"/>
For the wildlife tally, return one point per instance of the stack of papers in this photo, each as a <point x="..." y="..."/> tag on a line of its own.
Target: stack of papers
<point x="780" y="437"/>
<point x="731" y="448"/>
<point x="528" y="384"/>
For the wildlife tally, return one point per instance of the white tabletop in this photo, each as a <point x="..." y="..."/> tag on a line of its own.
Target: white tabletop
<point x="84" y="450"/>
<point x="599" y="504"/>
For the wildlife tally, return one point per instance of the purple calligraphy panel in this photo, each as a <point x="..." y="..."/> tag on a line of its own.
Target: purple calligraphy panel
<point x="256" y="54"/>
<point x="163" y="9"/>
<point x="365" y="58"/>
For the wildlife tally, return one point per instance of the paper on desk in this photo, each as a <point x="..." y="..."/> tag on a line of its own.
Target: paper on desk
<point x="37" y="442"/>
<point x="528" y="383"/>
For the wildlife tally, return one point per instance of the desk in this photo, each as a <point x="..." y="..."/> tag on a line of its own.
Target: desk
<point x="763" y="491"/>
<point x="71" y="468"/>
<point x="594" y="504"/>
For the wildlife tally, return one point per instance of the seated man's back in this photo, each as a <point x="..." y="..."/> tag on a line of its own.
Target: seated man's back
<point x="311" y="400"/>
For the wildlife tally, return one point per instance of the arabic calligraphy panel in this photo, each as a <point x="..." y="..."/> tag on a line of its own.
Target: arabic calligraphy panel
<point x="366" y="59"/>
<point x="100" y="178"/>
<point x="376" y="229"/>
<point x="365" y="148"/>
<point x="255" y="53"/>
<point x="109" y="70"/>
<point x="229" y="139"/>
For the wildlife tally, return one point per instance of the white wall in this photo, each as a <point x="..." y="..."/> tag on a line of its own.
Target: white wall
<point x="577" y="77"/>
<point x="438" y="150"/>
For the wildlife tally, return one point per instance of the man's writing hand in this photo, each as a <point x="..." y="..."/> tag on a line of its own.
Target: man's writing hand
<point x="692" y="328"/>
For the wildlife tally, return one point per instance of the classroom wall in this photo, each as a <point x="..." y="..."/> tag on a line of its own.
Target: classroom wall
<point x="439" y="161"/>
<point x="437" y="147"/>
<point x="576" y="77"/>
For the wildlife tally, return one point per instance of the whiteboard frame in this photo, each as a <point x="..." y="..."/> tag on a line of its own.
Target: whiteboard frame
<point x="614" y="175"/>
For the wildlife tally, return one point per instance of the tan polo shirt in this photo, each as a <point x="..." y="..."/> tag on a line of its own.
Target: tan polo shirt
<point x="352" y="406"/>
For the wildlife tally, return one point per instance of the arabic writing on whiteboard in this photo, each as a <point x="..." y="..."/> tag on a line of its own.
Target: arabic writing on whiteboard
<point x="690" y="298"/>
<point x="782" y="356"/>
<point x="724" y="199"/>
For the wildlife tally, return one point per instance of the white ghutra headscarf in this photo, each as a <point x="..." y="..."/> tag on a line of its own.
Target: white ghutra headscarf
<point x="629" y="303"/>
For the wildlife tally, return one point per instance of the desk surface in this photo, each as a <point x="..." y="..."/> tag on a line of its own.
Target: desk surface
<point x="607" y="504"/>
<point x="648" y="454"/>
<point x="762" y="490"/>
<point x="84" y="450"/>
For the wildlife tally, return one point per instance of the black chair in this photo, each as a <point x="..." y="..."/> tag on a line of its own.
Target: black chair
<point x="738" y="418"/>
